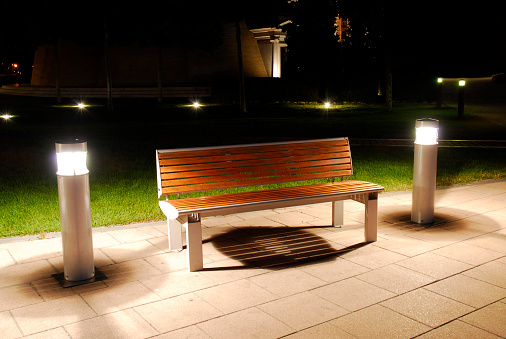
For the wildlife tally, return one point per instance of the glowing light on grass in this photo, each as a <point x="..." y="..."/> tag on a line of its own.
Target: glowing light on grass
<point x="6" y="116"/>
<point x="196" y="104"/>
<point x="440" y="80"/>
<point x="327" y="104"/>
<point x="462" y="83"/>
<point x="81" y="105"/>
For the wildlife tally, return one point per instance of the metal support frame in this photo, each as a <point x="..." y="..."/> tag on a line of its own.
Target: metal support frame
<point x="192" y="224"/>
<point x="175" y="230"/>
<point x="338" y="213"/>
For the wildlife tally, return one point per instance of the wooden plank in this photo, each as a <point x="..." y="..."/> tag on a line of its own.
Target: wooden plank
<point x="238" y="149"/>
<point x="273" y="194"/>
<point x="195" y="159"/>
<point x="257" y="196"/>
<point x="239" y="176"/>
<point x="341" y="156"/>
<point x="305" y="166"/>
<point x="254" y="182"/>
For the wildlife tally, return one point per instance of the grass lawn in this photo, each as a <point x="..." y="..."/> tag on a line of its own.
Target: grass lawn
<point x="122" y="143"/>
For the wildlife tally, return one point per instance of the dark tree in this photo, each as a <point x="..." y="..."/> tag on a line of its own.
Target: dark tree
<point x="313" y="48"/>
<point x="185" y="25"/>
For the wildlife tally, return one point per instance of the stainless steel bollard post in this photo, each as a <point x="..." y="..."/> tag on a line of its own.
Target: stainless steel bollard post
<point x="75" y="215"/>
<point x="424" y="171"/>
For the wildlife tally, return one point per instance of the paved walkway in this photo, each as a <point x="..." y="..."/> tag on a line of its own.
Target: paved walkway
<point x="278" y="273"/>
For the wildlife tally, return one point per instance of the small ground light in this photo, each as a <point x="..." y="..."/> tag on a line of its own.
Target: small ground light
<point x="81" y="105"/>
<point x="327" y="105"/>
<point x="196" y="105"/>
<point x="6" y="116"/>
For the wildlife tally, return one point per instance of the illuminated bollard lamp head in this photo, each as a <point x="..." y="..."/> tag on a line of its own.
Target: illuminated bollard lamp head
<point x="71" y="158"/>
<point x="75" y="216"/>
<point x="426" y="131"/>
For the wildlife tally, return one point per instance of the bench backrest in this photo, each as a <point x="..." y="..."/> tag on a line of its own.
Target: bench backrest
<point x="214" y="168"/>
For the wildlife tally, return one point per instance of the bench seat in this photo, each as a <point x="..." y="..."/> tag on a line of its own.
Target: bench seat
<point x="267" y="199"/>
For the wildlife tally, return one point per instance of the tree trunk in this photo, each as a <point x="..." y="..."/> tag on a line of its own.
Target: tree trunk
<point x="388" y="85"/>
<point x="160" y="94"/>
<point x="107" y="66"/>
<point x="57" y="70"/>
<point x="242" y="91"/>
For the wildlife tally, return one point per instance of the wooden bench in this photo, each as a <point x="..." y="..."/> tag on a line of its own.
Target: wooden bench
<point x="218" y="168"/>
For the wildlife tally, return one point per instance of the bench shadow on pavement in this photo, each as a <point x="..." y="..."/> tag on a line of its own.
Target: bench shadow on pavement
<point x="272" y="247"/>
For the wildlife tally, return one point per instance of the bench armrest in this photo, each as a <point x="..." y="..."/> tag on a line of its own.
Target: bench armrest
<point x="170" y="211"/>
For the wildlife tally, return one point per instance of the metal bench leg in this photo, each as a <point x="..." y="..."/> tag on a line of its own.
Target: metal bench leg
<point x="175" y="228"/>
<point x="194" y="245"/>
<point x="371" y="217"/>
<point x="338" y="213"/>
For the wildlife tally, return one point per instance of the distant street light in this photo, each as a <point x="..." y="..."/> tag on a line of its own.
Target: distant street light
<point x="424" y="171"/>
<point x="462" y="86"/>
<point x="439" y="92"/>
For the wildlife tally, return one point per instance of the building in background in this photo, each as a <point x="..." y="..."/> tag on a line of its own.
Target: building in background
<point x="270" y="41"/>
<point x="137" y="66"/>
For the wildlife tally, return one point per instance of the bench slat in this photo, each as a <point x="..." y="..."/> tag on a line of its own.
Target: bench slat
<point x="259" y="172"/>
<point x="304" y="166"/>
<point x="193" y="205"/>
<point x="253" y="182"/>
<point x="268" y="154"/>
<point x="339" y="158"/>
<point x="245" y="149"/>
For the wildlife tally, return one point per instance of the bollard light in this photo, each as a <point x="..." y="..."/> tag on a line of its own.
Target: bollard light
<point x="462" y="83"/>
<point x="424" y="171"/>
<point x="426" y="135"/>
<point x="75" y="216"/>
<point x="71" y="159"/>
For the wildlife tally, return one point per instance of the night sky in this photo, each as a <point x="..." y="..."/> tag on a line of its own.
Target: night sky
<point x="451" y="39"/>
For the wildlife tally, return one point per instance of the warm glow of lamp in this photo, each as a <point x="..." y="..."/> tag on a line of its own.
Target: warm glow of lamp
<point x="71" y="159"/>
<point x="327" y="105"/>
<point x="6" y="116"/>
<point x="440" y="80"/>
<point x="462" y="83"/>
<point x="196" y="104"/>
<point x="81" y="105"/>
<point x="426" y="132"/>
